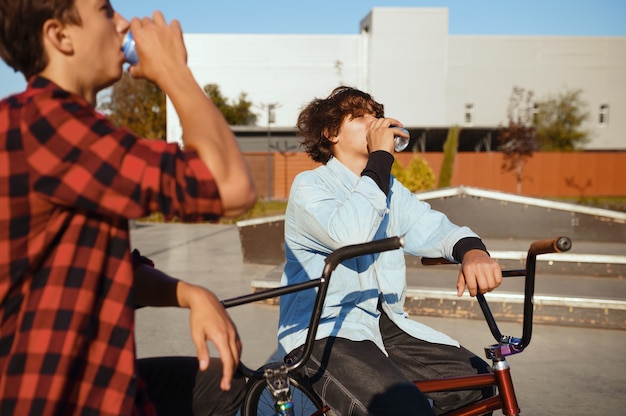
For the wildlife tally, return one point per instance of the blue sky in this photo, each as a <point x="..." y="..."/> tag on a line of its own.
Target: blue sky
<point x="467" y="17"/>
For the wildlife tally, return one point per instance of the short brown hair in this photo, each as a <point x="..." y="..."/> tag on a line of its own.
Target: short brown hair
<point x="321" y="119"/>
<point x="21" y="25"/>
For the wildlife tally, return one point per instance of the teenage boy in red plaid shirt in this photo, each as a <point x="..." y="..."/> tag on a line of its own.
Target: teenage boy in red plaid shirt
<point x="69" y="182"/>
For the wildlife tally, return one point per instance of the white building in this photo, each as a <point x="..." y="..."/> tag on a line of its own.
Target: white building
<point x="426" y="77"/>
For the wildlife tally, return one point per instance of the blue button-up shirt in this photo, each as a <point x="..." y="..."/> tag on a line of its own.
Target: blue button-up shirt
<point x="331" y="207"/>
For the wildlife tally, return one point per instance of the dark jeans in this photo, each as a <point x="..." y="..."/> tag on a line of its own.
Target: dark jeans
<point x="356" y="378"/>
<point x="177" y="387"/>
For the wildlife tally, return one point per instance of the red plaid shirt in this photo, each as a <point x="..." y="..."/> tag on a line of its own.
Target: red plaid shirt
<point x="69" y="180"/>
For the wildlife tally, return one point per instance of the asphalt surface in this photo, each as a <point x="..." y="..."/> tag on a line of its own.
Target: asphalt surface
<point x="568" y="369"/>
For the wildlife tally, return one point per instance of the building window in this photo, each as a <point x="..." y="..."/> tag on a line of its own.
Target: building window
<point x="603" y="118"/>
<point x="469" y="114"/>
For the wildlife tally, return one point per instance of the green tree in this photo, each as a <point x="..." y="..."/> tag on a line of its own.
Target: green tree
<point x="236" y="114"/>
<point x="559" y="120"/>
<point x="518" y="140"/>
<point x="137" y="104"/>
<point x="450" y="148"/>
<point x="418" y="176"/>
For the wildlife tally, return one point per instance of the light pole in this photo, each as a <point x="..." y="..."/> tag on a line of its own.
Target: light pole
<point x="271" y="118"/>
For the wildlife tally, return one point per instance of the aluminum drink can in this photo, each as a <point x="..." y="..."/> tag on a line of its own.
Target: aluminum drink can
<point x="128" y="47"/>
<point x="400" y="143"/>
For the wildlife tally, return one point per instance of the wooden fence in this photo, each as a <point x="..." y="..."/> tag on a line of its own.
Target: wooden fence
<point x="547" y="174"/>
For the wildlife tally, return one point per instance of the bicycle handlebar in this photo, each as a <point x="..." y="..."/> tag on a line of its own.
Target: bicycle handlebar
<point x="436" y="261"/>
<point x="331" y="262"/>
<point x="550" y="245"/>
<point x="356" y="250"/>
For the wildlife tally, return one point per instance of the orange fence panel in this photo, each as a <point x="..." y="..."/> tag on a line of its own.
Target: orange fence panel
<point x="546" y="174"/>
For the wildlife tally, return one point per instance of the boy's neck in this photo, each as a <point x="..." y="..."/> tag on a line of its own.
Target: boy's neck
<point x="355" y="164"/>
<point x="71" y="83"/>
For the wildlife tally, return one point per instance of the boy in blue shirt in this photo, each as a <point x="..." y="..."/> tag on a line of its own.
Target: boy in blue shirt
<point x="368" y="350"/>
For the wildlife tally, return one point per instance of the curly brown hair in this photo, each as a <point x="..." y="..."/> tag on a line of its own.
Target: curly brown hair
<point x="21" y="26"/>
<point x="321" y="119"/>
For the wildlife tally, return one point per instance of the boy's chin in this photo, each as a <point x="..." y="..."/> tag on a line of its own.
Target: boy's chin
<point x="115" y="77"/>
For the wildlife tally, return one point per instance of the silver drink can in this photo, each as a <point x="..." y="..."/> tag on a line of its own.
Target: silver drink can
<point x="401" y="143"/>
<point x="128" y="47"/>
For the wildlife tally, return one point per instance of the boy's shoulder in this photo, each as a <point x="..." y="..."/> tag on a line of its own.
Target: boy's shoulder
<point x="38" y="90"/>
<point x="312" y="175"/>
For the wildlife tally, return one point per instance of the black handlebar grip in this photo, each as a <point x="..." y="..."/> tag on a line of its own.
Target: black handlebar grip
<point x="551" y="245"/>
<point x="436" y="261"/>
<point x="356" y="250"/>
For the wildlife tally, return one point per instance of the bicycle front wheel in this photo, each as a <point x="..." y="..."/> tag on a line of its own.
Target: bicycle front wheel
<point x="259" y="400"/>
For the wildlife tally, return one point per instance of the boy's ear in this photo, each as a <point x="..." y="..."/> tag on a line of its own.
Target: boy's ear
<point x="56" y="36"/>
<point x="327" y="135"/>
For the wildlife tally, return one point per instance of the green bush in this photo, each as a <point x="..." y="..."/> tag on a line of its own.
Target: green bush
<point x="418" y="176"/>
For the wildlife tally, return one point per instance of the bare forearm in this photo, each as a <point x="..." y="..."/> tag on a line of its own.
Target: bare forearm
<point x="163" y="60"/>
<point x="206" y="130"/>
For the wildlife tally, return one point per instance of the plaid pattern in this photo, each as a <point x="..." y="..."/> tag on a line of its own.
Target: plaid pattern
<point x="69" y="180"/>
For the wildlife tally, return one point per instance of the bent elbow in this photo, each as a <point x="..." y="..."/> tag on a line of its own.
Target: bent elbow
<point x="239" y="202"/>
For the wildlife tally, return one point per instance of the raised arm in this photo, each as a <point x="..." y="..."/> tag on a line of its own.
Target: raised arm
<point x="163" y="60"/>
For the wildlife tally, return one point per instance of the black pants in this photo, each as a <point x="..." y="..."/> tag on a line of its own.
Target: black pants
<point x="177" y="387"/>
<point x="356" y="378"/>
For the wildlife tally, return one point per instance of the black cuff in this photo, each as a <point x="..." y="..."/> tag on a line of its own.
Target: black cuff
<point x="466" y="244"/>
<point x="379" y="169"/>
